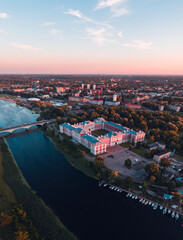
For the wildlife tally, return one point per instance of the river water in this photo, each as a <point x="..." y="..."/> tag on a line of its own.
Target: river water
<point x="88" y="211"/>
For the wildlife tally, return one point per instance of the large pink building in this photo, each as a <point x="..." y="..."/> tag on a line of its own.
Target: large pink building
<point x="82" y="133"/>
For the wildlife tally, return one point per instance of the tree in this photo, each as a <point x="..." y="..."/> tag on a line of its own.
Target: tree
<point x="145" y="186"/>
<point x="128" y="181"/>
<point x="5" y="219"/>
<point x="165" y="162"/>
<point x="82" y="153"/>
<point x="177" y="196"/>
<point x="171" y="186"/>
<point x="22" y="235"/>
<point x="128" y="163"/>
<point x="98" y="164"/>
<point x="152" y="179"/>
<point x="152" y="169"/>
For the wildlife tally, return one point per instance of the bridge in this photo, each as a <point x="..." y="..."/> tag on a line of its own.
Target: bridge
<point x="26" y="126"/>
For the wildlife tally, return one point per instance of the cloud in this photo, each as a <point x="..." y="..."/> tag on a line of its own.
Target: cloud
<point x="4" y="15"/>
<point x="139" y="45"/>
<point x="99" y="36"/>
<point x="3" y="31"/>
<point x="120" y="34"/>
<point x="46" y="24"/>
<point x="26" y="47"/>
<point x="117" y="12"/>
<point x="54" y="31"/>
<point x="108" y="3"/>
<point x="81" y="16"/>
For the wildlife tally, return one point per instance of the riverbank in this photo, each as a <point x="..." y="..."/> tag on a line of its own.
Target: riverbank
<point x="78" y="162"/>
<point x="47" y="224"/>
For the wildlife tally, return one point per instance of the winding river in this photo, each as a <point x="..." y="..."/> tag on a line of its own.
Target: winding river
<point x="88" y="211"/>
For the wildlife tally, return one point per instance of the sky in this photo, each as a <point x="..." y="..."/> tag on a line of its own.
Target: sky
<point x="91" y="36"/>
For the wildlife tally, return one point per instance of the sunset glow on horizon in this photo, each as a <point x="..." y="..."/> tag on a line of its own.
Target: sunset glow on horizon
<point x="91" y="37"/>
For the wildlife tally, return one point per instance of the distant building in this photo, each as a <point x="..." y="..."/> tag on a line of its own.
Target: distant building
<point x="134" y="106"/>
<point x="96" y="102"/>
<point x="60" y="90"/>
<point x="162" y="155"/>
<point x="110" y="103"/>
<point x="82" y="133"/>
<point x="161" y="108"/>
<point x="174" y="108"/>
<point x="115" y="97"/>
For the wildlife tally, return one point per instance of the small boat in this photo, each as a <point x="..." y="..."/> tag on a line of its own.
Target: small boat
<point x="146" y="202"/>
<point x="161" y="207"/>
<point x="164" y="211"/>
<point x="150" y="203"/>
<point x="112" y="187"/>
<point x="143" y="201"/>
<point x="118" y="190"/>
<point x="177" y="216"/>
<point x="133" y="197"/>
<point x="155" y="206"/>
<point x="105" y="185"/>
<point x="127" y="195"/>
<point x="169" y="211"/>
<point x="173" y="214"/>
<point x="130" y="194"/>
<point x="136" y="197"/>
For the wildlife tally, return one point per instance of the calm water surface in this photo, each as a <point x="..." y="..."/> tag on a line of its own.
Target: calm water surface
<point x="88" y="211"/>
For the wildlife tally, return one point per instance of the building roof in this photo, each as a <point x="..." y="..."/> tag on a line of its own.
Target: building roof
<point x="90" y="138"/>
<point x="68" y="126"/>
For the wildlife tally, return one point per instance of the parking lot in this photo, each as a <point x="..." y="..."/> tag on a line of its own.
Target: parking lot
<point x="115" y="159"/>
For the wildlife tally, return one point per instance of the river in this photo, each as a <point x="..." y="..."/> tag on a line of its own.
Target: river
<point x="88" y="211"/>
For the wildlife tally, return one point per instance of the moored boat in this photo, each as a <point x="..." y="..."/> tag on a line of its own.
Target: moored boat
<point x="169" y="211"/>
<point x="146" y="202"/>
<point x="173" y="214"/>
<point x="143" y="201"/>
<point x="161" y="207"/>
<point x="155" y="206"/>
<point x="164" y="211"/>
<point x="177" y="216"/>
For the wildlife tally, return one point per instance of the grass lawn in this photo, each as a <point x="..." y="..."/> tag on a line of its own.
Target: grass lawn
<point x="87" y="151"/>
<point x="139" y="151"/>
<point x="125" y="145"/>
<point x="7" y="196"/>
<point x="99" y="132"/>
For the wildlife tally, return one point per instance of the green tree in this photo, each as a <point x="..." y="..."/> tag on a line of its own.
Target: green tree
<point x="128" y="182"/>
<point x="177" y="196"/>
<point x="152" y="169"/>
<point x="165" y="162"/>
<point x="128" y="163"/>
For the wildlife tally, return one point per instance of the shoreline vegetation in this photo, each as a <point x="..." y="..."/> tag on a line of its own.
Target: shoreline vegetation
<point x="24" y="214"/>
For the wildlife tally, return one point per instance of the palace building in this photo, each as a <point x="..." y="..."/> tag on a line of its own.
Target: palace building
<point x="117" y="134"/>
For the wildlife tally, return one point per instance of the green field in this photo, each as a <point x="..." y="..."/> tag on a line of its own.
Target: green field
<point x="99" y="132"/>
<point x="140" y="151"/>
<point x="125" y="145"/>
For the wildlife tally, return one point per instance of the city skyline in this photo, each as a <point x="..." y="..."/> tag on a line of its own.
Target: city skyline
<point x="93" y="37"/>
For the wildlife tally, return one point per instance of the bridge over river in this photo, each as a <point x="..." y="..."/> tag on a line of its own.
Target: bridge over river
<point x="26" y="126"/>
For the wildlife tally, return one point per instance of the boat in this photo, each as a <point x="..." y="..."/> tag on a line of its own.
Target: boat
<point x="133" y="197"/>
<point x="173" y="214"/>
<point x="143" y="201"/>
<point x="130" y="194"/>
<point x="161" y="207"/>
<point x="112" y="187"/>
<point x="146" y="202"/>
<point x="136" y="197"/>
<point x="177" y="216"/>
<point x="150" y="203"/>
<point x="164" y="211"/>
<point x="127" y="195"/>
<point x="155" y="206"/>
<point x="105" y="185"/>
<point x="169" y="211"/>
